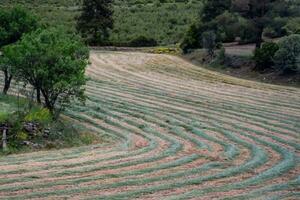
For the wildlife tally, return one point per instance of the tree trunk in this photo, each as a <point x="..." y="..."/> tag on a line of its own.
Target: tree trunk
<point x="4" y="139"/>
<point x="38" y="95"/>
<point x="259" y="39"/>
<point x="7" y="81"/>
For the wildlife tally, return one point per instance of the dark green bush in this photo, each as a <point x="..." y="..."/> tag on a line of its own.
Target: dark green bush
<point x="264" y="56"/>
<point x="143" y="41"/>
<point x="287" y="58"/>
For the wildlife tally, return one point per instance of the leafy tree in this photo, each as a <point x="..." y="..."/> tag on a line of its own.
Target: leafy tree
<point x="13" y="24"/>
<point x="258" y="13"/>
<point x="209" y="42"/>
<point x="54" y="62"/>
<point x="213" y="8"/>
<point x="287" y="58"/>
<point x="191" y="38"/>
<point x="95" y="20"/>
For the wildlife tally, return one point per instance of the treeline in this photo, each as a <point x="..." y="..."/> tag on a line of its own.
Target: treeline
<point x="249" y="21"/>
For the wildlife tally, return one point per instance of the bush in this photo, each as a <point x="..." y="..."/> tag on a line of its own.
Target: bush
<point x="40" y="115"/>
<point x="143" y="41"/>
<point x="264" y="56"/>
<point x="220" y="58"/>
<point x="293" y="26"/>
<point x="287" y="58"/>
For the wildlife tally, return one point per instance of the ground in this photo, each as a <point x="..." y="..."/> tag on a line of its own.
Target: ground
<point x="180" y="132"/>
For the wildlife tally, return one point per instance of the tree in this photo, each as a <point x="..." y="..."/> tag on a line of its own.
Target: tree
<point x="209" y="42"/>
<point x="14" y="24"/>
<point x="258" y="13"/>
<point x="213" y="8"/>
<point x="54" y="62"/>
<point x="287" y="58"/>
<point x="95" y="20"/>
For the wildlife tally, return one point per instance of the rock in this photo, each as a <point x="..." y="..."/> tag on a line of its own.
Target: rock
<point x="46" y="133"/>
<point x="33" y="145"/>
<point x="31" y="128"/>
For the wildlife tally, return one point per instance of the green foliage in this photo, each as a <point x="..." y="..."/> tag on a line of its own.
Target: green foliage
<point x="95" y="21"/>
<point x="143" y="41"/>
<point x="220" y="58"/>
<point x="14" y="23"/>
<point x="264" y="56"/>
<point x="3" y="117"/>
<point x="276" y="28"/>
<point x="39" y="115"/>
<point x="191" y="39"/>
<point x="227" y="26"/>
<point x="54" y="62"/>
<point x="259" y="13"/>
<point x="287" y="58"/>
<point x="293" y="26"/>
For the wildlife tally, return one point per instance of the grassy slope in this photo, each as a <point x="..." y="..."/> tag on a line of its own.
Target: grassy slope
<point x="165" y="22"/>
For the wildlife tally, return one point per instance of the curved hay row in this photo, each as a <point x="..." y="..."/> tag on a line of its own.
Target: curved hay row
<point x="179" y="132"/>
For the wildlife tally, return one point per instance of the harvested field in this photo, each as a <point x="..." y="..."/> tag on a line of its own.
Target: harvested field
<point x="180" y="132"/>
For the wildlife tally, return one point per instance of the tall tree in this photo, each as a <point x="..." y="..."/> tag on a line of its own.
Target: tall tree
<point x="54" y="62"/>
<point x="96" y="20"/>
<point x="258" y="13"/>
<point x="14" y="24"/>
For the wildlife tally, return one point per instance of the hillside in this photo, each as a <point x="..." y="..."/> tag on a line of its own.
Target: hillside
<point x="165" y="22"/>
<point x="179" y="132"/>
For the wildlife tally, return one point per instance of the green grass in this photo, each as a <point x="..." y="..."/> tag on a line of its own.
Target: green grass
<point x="64" y="134"/>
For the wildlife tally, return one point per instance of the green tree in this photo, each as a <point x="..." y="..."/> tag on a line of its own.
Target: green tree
<point x="14" y="24"/>
<point x="258" y="12"/>
<point x="95" y="21"/>
<point x="287" y="58"/>
<point x="54" y="62"/>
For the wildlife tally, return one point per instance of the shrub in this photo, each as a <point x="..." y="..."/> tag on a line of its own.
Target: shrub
<point x="143" y="41"/>
<point x="287" y="58"/>
<point x="40" y="115"/>
<point x="264" y="56"/>
<point x="220" y="58"/>
<point x="293" y="26"/>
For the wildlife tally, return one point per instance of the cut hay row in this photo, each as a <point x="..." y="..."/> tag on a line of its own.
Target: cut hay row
<point x="179" y="132"/>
